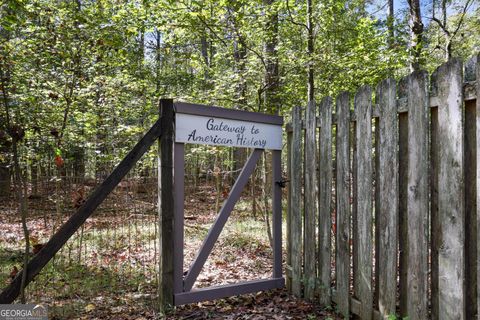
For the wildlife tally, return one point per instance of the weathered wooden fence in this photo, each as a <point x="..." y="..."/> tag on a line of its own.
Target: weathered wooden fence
<point x="382" y="202"/>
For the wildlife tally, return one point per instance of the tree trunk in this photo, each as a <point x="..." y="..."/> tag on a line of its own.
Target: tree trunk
<point x="79" y="164"/>
<point x="240" y="54"/>
<point x="416" y="34"/>
<point x="34" y="176"/>
<point x="20" y="184"/>
<point x="271" y="97"/>
<point x="391" y="23"/>
<point x="205" y="56"/>
<point x="240" y="94"/>
<point x="4" y="180"/>
<point x="448" y="48"/>
<point x="310" y="52"/>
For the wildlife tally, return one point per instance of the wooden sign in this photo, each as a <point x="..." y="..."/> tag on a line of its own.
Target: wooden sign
<point x="223" y="131"/>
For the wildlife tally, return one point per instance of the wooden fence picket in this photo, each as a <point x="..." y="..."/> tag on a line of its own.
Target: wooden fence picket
<point x="342" y="239"/>
<point x="387" y="199"/>
<point x="435" y="237"/>
<point x="363" y="202"/>
<point x="310" y="211"/>
<point x="324" y="201"/>
<point x="296" y="201"/>
<point x="451" y="295"/>
<point x="417" y="193"/>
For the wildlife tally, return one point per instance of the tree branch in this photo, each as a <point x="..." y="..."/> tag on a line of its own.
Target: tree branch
<point x="441" y="25"/>
<point x="464" y="11"/>
<point x="292" y="20"/>
<point x="255" y="52"/>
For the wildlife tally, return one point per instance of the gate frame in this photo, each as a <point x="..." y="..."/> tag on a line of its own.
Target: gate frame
<point x="175" y="288"/>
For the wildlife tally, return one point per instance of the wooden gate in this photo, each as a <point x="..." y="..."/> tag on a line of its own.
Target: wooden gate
<point x="256" y="131"/>
<point x="212" y="126"/>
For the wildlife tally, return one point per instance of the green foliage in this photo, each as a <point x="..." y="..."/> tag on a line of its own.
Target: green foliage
<point x="465" y="44"/>
<point x="93" y="71"/>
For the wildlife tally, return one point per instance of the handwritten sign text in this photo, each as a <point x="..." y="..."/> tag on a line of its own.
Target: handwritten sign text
<point x="227" y="132"/>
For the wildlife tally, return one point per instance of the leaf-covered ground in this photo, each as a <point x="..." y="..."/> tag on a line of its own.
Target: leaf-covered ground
<point x="275" y="304"/>
<point x="108" y="270"/>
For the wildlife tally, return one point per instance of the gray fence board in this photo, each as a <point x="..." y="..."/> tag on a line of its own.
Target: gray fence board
<point x="417" y="193"/>
<point x="342" y="265"/>
<point x="451" y="192"/>
<point x="310" y="203"/>
<point x="387" y="198"/>
<point x="296" y="214"/>
<point x="363" y="202"/>
<point x="325" y="201"/>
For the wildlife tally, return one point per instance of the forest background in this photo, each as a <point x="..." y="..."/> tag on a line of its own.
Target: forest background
<point x="80" y="81"/>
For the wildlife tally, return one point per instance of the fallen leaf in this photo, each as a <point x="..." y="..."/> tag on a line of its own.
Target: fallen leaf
<point x="89" y="307"/>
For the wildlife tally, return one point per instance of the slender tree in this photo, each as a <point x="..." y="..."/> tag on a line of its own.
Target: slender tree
<point x="449" y="31"/>
<point x="17" y="133"/>
<point x="416" y="34"/>
<point x="271" y="81"/>
<point x="310" y="52"/>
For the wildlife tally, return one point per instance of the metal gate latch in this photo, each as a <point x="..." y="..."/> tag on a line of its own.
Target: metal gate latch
<point x="282" y="182"/>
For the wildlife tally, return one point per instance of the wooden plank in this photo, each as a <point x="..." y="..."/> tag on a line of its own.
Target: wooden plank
<point x="387" y="199"/>
<point x="342" y="239"/>
<point x="363" y="202"/>
<point x="310" y="211"/>
<point x="64" y="233"/>
<point x="178" y="214"/>
<point x="469" y="94"/>
<point x="417" y="194"/>
<point x="212" y="111"/>
<point x="288" y="275"/>
<point x="471" y="238"/>
<point x="325" y="201"/>
<point x="451" y="195"/>
<point x="296" y="193"/>
<point x="477" y="142"/>
<point x="166" y="206"/>
<point x="228" y="290"/>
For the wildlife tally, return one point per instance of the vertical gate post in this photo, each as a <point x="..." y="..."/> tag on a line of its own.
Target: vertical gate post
<point x="165" y="205"/>
<point x="277" y="213"/>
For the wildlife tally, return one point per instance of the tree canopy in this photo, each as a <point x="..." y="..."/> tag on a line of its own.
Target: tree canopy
<point x="84" y="77"/>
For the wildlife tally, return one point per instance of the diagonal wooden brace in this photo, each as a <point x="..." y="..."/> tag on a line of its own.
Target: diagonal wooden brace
<point x="222" y="218"/>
